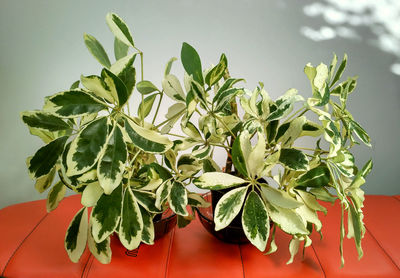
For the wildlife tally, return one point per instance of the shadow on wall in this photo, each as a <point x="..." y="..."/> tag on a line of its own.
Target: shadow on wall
<point x="345" y="19"/>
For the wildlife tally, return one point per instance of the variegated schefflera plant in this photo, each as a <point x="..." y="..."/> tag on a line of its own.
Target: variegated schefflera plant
<point x="100" y="151"/>
<point x="273" y="180"/>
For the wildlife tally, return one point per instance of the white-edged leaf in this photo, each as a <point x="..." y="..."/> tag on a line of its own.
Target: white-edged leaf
<point x="293" y="249"/>
<point x="148" y="227"/>
<point x="76" y="236"/>
<point x="87" y="147"/>
<point x="102" y="250"/>
<point x="91" y="194"/>
<point x="146" y="139"/>
<point x="294" y="159"/>
<point x="44" y="121"/>
<point x="172" y="88"/>
<point x="130" y="228"/>
<point x="44" y="182"/>
<point x="229" y="206"/>
<point x="162" y="193"/>
<point x="97" y="86"/>
<point x="255" y="221"/>
<point x="97" y="50"/>
<point x="56" y="194"/>
<point x="111" y="165"/>
<point x="279" y="198"/>
<point x="288" y="220"/>
<point x="119" y="28"/>
<point x="256" y="157"/>
<point x="217" y="180"/>
<point x="178" y="198"/>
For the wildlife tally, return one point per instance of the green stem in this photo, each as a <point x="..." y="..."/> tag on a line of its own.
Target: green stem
<point x="223" y="123"/>
<point x="176" y="135"/>
<point x="158" y="107"/>
<point x="294" y="115"/>
<point x="308" y="149"/>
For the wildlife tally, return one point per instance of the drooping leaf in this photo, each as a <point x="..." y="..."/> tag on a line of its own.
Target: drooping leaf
<point x="288" y="220"/>
<point x="130" y="228"/>
<point x="111" y="165"/>
<point x="255" y="221"/>
<point x="56" y="194"/>
<point x="228" y="207"/>
<point x="76" y="236"/>
<point x="294" y="159"/>
<point x="102" y="250"/>
<point x="119" y="28"/>
<point x="106" y="214"/>
<point x="44" y="121"/>
<point x="217" y="181"/>
<point x="91" y="194"/>
<point x="178" y="198"/>
<point x="196" y="200"/>
<point x="148" y="227"/>
<point x="97" y="50"/>
<point x="169" y="65"/>
<point x="293" y="249"/>
<point x="191" y="63"/>
<point x="360" y="132"/>
<point x="87" y="147"/>
<point x="72" y="104"/>
<point x="120" y="49"/>
<point x="146" y="139"/>
<point x="46" y="157"/>
<point x="279" y="198"/>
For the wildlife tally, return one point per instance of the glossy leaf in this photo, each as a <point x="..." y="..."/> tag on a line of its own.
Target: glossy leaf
<point x="147" y="200"/>
<point x="316" y="177"/>
<point x="279" y="198"/>
<point x="76" y="236"/>
<point x="117" y="86"/>
<point x="294" y="159"/>
<point x="255" y="221"/>
<point x="191" y="63"/>
<point x="148" y="227"/>
<point x="178" y="198"/>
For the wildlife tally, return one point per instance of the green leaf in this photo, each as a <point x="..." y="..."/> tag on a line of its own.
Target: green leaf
<point x="101" y="251"/>
<point x="111" y="165"/>
<point x="147" y="200"/>
<point x="162" y="193"/>
<point x="124" y="69"/>
<point x="351" y="84"/>
<point x="292" y="132"/>
<point x="119" y="28"/>
<point x="360" y="132"/>
<point x="87" y="147"/>
<point x="76" y="236"/>
<point x="169" y="65"/>
<point x="279" y="198"/>
<point x="196" y="200"/>
<point x="73" y="103"/>
<point x="145" y="106"/>
<point x="172" y="88"/>
<point x="147" y="140"/>
<point x="240" y="154"/>
<point x="191" y="63"/>
<point x="120" y="49"/>
<point x="56" y="194"/>
<point x="44" y="121"/>
<point x="97" y="50"/>
<point x="323" y="195"/>
<point x="217" y="181"/>
<point x="294" y="159"/>
<point x="256" y="157"/>
<point x="217" y="72"/>
<point x="146" y="87"/>
<point x="75" y="85"/>
<point x="229" y="206"/>
<point x="316" y="177"/>
<point x="130" y="228"/>
<point x="178" y="198"/>
<point x="46" y="157"/>
<point x="340" y="70"/>
<point x="209" y="165"/>
<point x="106" y="215"/>
<point x="223" y="98"/>
<point x="148" y="226"/>
<point x="255" y="221"/>
<point x="284" y="105"/>
<point x="117" y="86"/>
<point x="97" y="86"/>
<point x="288" y="220"/>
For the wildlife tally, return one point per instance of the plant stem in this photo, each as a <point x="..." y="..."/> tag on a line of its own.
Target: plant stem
<point x="158" y="107"/>
<point x="293" y="116"/>
<point x="223" y="123"/>
<point x="308" y="149"/>
<point x="176" y="135"/>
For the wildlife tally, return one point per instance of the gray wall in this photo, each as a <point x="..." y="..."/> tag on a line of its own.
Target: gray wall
<point x="42" y="52"/>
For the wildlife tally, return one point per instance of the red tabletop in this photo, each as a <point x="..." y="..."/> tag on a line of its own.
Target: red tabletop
<point x="32" y="245"/>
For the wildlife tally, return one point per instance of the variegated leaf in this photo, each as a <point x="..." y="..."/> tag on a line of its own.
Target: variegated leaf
<point x="120" y="49"/>
<point x="119" y="28"/>
<point x="56" y="194"/>
<point x="294" y="159"/>
<point x="147" y="200"/>
<point x="172" y="88"/>
<point x="44" y="182"/>
<point x="288" y="220"/>
<point x="76" y="236"/>
<point x="217" y="180"/>
<point x="87" y="147"/>
<point x="229" y="206"/>
<point x="44" y="121"/>
<point x="130" y="228"/>
<point x="146" y="139"/>
<point x="106" y="214"/>
<point x="178" y="198"/>
<point x="116" y="86"/>
<point x="97" y="50"/>
<point x="279" y="198"/>
<point x="217" y="72"/>
<point x="255" y="221"/>
<point x="97" y="86"/>
<point x="102" y="250"/>
<point x="91" y="194"/>
<point x="46" y="157"/>
<point x="148" y="227"/>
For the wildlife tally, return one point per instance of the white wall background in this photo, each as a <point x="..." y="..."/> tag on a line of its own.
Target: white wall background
<point x="42" y="52"/>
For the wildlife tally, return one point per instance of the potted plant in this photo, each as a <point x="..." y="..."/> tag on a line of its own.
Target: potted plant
<point x="98" y="149"/>
<point x="268" y="178"/>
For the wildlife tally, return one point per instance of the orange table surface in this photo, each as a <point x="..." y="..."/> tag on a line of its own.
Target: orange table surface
<point x="32" y="245"/>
